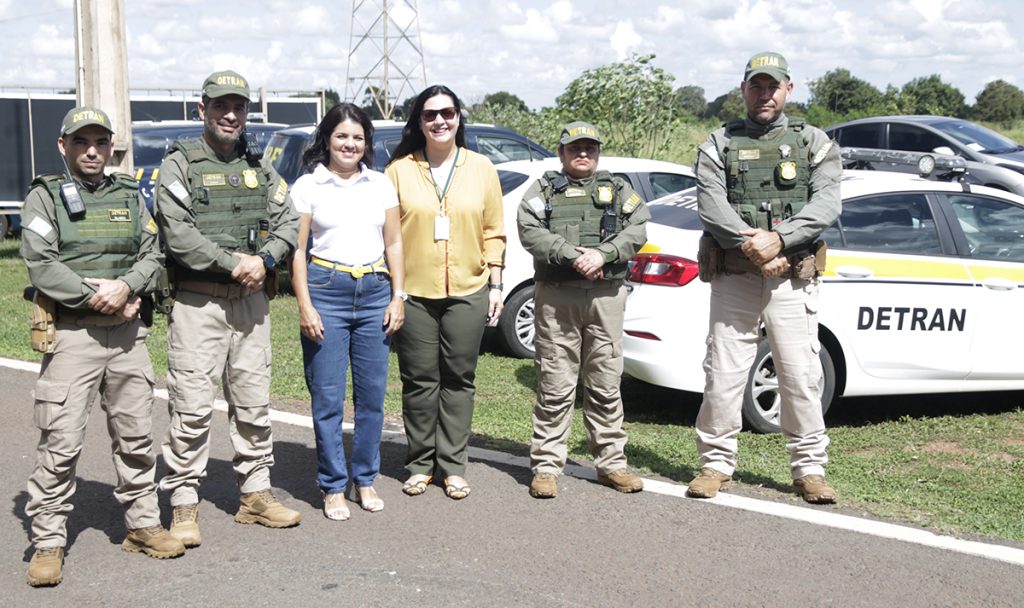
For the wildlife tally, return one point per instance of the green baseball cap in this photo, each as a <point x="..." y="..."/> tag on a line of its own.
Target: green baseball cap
<point x="575" y="131"/>
<point x="768" y="62"/>
<point x="83" y="116"/>
<point x="224" y="83"/>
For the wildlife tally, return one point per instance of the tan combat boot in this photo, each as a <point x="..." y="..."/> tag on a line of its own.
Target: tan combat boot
<point x="263" y="508"/>
<point x="815" y="490"/>
<point x="544" y="485"/>
<point x="45" y="568"/>
<point x="707" y="483"/>
<point x="621" y="480"/>
<point x="185" y="525"/>
<point x="154" y="541"/>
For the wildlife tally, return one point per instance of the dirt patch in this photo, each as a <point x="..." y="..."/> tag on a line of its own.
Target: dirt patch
<point x="943" y="447"/>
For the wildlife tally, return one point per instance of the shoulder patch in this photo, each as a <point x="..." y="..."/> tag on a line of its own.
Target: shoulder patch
<point x="820" y="156"/>
<point x="281" y="192"/>
<point x="151" y="226"/>
<point x="712" y="152"/>
<point x="631" y="203"/>
<point x="178" y="191"/>
<point x="536" y="204"/>
<point x="40" y="227"/>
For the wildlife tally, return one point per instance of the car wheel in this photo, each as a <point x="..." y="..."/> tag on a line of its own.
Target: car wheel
<point x="762" y="406"/>
<point x="515" y="327"/>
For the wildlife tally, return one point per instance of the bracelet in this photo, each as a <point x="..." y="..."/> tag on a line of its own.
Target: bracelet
<point x="498" y="286"/>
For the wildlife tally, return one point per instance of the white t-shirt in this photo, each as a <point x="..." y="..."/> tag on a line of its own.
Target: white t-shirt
<point x="348" y="217"/>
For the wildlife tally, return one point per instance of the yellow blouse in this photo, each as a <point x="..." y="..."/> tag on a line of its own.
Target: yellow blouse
<point x="460" y="265"/>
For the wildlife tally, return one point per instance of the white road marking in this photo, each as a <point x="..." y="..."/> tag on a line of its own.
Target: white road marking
<point x="809" y="515"/>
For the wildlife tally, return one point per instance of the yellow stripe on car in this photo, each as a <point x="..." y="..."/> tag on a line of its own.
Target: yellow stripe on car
<point x="889" y="267"/>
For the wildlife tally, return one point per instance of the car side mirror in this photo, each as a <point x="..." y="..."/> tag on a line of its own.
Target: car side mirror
<point x="944" y="150"/>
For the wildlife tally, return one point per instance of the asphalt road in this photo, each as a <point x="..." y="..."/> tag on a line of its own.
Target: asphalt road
<point x="589" y="547"/>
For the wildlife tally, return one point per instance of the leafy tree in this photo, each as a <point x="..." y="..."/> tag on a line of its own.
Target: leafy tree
<point x="841" y="92"/>
<point x="690" y="100"/>
<point x="331" y="98"/>
<point x="630" y="101"/>
<point x="727" y="107"/>
<point x="999" y="101"/>
<point x="932" y="96"/>
<point x="504" y="98"/>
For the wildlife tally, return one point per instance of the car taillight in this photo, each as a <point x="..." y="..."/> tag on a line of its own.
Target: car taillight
<point x="661" y="269"/>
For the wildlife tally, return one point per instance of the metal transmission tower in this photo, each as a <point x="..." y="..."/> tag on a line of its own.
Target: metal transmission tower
<point x="385" y="33"/>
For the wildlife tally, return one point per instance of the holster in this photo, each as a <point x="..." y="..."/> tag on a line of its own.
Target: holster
<point x="811" y="264"/>
<point x="710" y="259"/>
<point x="163" y="296"/>
<point x="42" y="322"/>
<point x="271" y="283"/>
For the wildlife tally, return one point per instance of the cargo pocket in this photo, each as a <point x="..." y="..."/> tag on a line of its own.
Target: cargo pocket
<point x="50" y="398"/>
<point x="811" y="303"/>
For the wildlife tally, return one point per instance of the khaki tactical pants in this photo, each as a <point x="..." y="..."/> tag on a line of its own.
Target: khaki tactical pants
<point x="578" y="327"/>
<point x="211" y="339"/>
<point x="788" y="308"/>
<point x="111" y="362"/>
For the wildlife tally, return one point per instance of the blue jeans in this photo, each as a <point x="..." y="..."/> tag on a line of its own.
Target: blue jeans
<point x="352" y="313"/>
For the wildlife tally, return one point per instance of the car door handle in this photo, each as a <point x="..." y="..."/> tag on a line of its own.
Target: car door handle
<point x="999" y="284"/>
<point x="854" y="272"/>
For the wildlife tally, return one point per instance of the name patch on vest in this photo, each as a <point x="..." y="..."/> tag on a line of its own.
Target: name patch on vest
<point x="119" y="215"/>
<point x="574" y="192"/>
<point x="750" y="154"/>
<point x="605" y="194"/>
<point x="213" y="179"/>
<point x="249" y="177"/>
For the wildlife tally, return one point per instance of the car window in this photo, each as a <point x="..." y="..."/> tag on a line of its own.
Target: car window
<point x="667" y="183"/>
<point x="149" y="150"/>
<point x="914" y="139"/>
<point x="510" y="180"/>
<point x="894" y="223"/>
<point x="502" y="149"/>
<point x="680" y="211"/>
<point x="861" y="136"/>
<point x="285" y="154"/>
<point x="977" y="137"/>
<point x="994" y="229"/>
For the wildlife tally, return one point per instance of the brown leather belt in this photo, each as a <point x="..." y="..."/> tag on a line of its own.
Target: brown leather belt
<point x="229" y="291"/>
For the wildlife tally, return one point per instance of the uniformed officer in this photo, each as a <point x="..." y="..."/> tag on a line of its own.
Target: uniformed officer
<point x="227" y="221"/>
<point x="92" y="255"/>
<point x="582" y="226"/>
<point x="767" y="187"/>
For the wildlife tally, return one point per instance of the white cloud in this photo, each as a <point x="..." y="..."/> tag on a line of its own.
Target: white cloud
<point x="49" y="42"/>
<point x="309" y="20"/>
<point x="275" y="51"/>
<point x="537" y="29"/>
<point x="624" y="38"/>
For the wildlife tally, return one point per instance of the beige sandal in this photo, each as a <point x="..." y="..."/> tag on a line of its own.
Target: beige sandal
<point x="372" y="502"/>
<point x="456" y="487"/>
<point x="335" y="508"/>
<point x="417" y="484"/>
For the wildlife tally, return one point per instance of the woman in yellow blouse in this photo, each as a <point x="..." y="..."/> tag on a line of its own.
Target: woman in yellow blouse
<point x="454" y="240"/>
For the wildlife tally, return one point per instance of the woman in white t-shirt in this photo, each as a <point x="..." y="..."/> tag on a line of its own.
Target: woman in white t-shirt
<point x="350" y="292"/>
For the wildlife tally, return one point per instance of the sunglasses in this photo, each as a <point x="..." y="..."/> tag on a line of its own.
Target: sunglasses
<point x="431" y="115"/>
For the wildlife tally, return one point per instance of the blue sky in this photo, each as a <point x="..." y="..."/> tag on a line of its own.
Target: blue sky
<point x="533" y="48"/>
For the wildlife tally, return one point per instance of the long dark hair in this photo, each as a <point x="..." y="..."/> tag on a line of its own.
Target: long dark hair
<point x="320" y="150"/>
<point x="412" y="135"/>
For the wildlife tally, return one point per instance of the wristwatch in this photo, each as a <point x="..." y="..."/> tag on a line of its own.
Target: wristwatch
<point x="268" y="261"/>
<point x="498" y="286"/>
<point x="402" y="294"/>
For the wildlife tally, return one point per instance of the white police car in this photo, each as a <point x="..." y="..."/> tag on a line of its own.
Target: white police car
<point x="922" y="293"/>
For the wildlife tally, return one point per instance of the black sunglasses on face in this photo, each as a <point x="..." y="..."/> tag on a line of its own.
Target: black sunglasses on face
<point x="431" y="115"/>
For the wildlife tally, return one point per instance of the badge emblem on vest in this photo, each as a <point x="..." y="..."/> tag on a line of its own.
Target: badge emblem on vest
<point x="249" y="176"/>
<point x="604" y="194"/>
<point x="119" y="215"/>
<point x="786" y="172"/>
<point x="213" y="179"/>
<point x="235" y="180"/>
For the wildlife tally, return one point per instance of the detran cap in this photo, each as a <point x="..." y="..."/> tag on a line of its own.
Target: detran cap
<point x="768" y="62"/>
<point x="224" y="83"/>
<point x="575" y="131"/>
<point x="83" y="116"/>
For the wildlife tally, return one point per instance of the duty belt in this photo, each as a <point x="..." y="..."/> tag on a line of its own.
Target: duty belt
<point x="228" y="291"/>
<point x="356" y="271"/>
<point x="87" y="319"/>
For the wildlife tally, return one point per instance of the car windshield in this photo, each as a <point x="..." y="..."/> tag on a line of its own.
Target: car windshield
<point x="510" y="180"/>
<point x="148" y="149"/>
<point x="977" y="137"/>
<point x="679" y="211"/>
<point x="285" y="153"/>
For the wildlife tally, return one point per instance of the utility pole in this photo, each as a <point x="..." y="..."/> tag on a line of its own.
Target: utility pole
<point x="101" y="70"/>
<point x="385" y="34"/>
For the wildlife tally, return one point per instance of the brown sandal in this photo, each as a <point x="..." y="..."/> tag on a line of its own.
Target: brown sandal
<point x="417" y="484"/>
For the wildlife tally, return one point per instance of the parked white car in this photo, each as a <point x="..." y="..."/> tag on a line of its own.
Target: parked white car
<point x="650" y="179"/>
<point x="922" y="293"/>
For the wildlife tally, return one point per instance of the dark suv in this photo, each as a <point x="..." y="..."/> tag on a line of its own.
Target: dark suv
<point x="151" y="140"/>
<point x="992" y="159"/>
<point x="496" y="143"/>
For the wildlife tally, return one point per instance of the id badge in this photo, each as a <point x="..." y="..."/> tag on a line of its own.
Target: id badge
<point x="442" y="228"/>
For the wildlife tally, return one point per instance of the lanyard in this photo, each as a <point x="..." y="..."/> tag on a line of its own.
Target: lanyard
<point x="448" y="182"/>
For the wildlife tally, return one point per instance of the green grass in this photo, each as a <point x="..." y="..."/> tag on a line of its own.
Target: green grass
<point x="953" y="463"/>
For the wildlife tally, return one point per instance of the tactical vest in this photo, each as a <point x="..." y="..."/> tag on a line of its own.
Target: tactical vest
<point x="767" y="179"/>
<point x="105" y="243"/>
<point x="229" y="202"/>
<point x="576" y="213"/>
